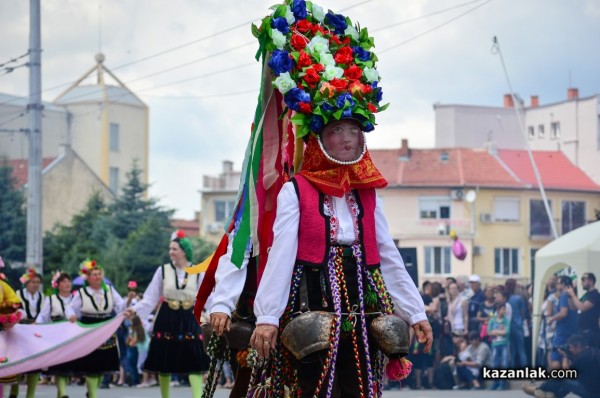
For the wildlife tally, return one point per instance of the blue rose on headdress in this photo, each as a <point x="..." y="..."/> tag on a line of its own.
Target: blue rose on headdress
<point x="367" y="126"/>
<point x="299" y="9"/>
<point x="316" y="124"/>
<point x="347" y="113"/>
<point x="294" y="96"/>
<point x="327" y="107"/>
<point x="281" y="25"/>
<point x="379" y="94"/>
<point x="280" y="62"/>
<point x="341" y="101"/>
<point x="338" y="22"/>
<point x="361" y="53"/>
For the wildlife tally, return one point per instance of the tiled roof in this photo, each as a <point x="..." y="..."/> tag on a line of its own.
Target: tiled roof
<point x="190" y="227"/>
<point x="456" y="167"/>
<point x="20" y="169"/>
<point x="555" y="170"/>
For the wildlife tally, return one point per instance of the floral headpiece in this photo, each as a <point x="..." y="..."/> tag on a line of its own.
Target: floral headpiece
<point x="87" y="266"/>
<point x="54" y="280"/>
<point x="183" y="242"/>
<point x="27" y="276"/>
<point x="132" y="285"/>
<point x="323" y="63"/>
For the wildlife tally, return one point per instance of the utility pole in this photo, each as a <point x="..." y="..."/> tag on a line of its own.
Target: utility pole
<point x="34" y="177"/>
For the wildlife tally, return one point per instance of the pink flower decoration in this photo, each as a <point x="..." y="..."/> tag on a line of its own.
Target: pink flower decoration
<point x="132" y="285"/>
<point x="398" y="369"/>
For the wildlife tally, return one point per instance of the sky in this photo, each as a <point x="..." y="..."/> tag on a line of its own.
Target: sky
<point x="192" y="62"/>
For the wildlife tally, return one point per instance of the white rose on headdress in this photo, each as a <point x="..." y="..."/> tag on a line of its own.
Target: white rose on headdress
<point x="332" y="71"/>
<point x="289" y="16"/>
<point x="371" y="74"/>
<point x="284" y="82"/>
<point x="352" y="32"/>
<point x="279" y="39"/>
<point x="326" y="59"/>
<point x="318" y="13"/>
<point x="318" y="45"/>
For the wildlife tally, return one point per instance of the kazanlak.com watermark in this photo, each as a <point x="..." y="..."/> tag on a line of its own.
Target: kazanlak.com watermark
<point x="529" y="373"/>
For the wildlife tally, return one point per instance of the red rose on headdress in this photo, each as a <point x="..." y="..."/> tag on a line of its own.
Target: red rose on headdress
<point x="344" y="55"/>
<point x="303" y="59"/>
<point x="336" y="40"/>
<point x="305" y="107"/>
<point x="346" y="40"/>
<point x="311" y="76"/>
<point x="298" y="42"/>
<point x="353" y="72"/>
<point x="371" y="107"/>
<point x="93" y="263"/>
<point x="180" y="234"/>
<point x="303" y="26"/>
<point x="317" y="28"/>
<point x="339" y="84"/>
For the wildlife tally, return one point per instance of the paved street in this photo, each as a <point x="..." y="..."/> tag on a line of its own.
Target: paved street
<point x="181" y="392"/>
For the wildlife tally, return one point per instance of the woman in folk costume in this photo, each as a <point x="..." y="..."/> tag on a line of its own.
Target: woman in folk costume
<point x="32" y="300"/>
<point x="10" y="315"/>
<point x="176" y="340"/>
<point x="95" y="302"/>
<point x="344" y="264"/>
<point x="54" y="310"/>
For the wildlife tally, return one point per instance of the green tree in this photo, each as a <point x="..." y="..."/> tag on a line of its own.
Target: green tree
<point x="13" y="220"/>
<point x="202" y="248"/>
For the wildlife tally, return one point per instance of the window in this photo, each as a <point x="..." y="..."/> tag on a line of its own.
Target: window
<point x="506" y="261"/>
<point x="531" y="132"/>
<point x="437" y="260"/>
<point x="223" y="209"/>
<point x="541" y="131"/>
<point x="555" y="130"/>
<point x="434" y="208"/>
<point x="114" y="137"/>
<point x="113" y="179"/>
<point x="573" y="215"/>
<point x="539" y="225"/>
<point x="506" y="209"/>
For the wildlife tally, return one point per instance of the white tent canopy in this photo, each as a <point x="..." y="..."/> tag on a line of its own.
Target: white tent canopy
<point x="578" y="249"/>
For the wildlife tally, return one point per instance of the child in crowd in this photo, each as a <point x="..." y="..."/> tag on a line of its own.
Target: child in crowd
<point x="499" y="329"/>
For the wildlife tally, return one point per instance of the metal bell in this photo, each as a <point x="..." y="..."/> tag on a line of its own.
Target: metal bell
<point x="308" y="333"/>
<point x="391" y="334"/>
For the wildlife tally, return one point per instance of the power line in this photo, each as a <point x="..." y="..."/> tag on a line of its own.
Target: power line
<point x="425" y="16"/>
<point x="435" y="27"/>
<point x="203" y="96"/>
<point x="10" y="61"/>
<point x="9" y="69"/>
<point x="12" y="119"/>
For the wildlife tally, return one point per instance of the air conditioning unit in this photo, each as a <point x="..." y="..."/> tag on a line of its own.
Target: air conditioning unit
<point x="477" y="250"/>
<point x="456" y="194"/>
<point x="214" y="228"/>
<point x="486" y="218"/>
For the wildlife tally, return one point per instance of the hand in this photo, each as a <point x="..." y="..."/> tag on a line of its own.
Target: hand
<point x="263" y="339"/>
<point x="220" y="322"/>
<point x="72" y="318"/>
<point x="424" y="334"/>
<point x="129" y="313"/>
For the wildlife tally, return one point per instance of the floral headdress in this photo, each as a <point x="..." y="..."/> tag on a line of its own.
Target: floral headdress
<point x="27" y="276"/>
<point x="86" y="267"/>
<point x="324" y="66"/>
<point x="132" y="285"/>
<point x="54" y="280"/>
<point x="183" y="242"/>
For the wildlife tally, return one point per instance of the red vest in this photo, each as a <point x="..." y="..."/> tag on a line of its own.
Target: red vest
<point x="313" y="230"/>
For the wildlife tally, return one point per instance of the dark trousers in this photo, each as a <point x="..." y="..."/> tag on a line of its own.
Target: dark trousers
<point x="346" y="380"/>
<point x="560" y="388"/>
<point x="464" y="374"/>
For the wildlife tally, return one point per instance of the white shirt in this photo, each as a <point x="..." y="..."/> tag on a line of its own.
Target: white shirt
<point x="273" y="291"/>
<point x="154" y="291"/>
<point x="74" y="308"/>
<point x="33" y="300"/>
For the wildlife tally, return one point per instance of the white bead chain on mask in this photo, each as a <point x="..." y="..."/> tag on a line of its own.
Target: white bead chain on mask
<point x="342" y="162"/>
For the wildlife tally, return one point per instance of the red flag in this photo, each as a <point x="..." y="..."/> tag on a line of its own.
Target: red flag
<point x="208" y="283"/>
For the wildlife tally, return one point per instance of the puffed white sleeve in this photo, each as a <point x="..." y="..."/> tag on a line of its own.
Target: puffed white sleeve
<point x="408" y="303"/>
<point x="74" y="307"/>
<point x="118" y="303"/>
<point x="45" y="313"/>
<point x="144" y="307"/>
<point x="274" y="288"/>
<point x="229" y="283"/>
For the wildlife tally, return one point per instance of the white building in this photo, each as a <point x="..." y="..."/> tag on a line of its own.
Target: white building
<point x="571" y="126"/>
